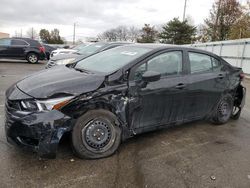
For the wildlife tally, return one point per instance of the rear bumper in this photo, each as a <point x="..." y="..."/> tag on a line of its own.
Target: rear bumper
<point x="40" y="132"/>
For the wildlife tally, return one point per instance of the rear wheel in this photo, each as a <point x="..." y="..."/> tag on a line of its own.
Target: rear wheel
<point x="32" y="58"/>
<point x="96" y="135"/>
<point x="223" y="111"/>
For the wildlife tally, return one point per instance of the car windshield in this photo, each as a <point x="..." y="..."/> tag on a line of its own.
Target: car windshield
<point x="111" y="60"/>
<point x="79" y="47"/>
<point x="90" y="49"/>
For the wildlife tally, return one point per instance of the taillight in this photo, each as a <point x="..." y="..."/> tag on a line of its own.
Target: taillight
<point x="42" y="49"/>
<point x="242" y="76"/>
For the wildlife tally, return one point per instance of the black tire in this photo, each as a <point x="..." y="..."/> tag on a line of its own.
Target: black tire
<point x="32" y="58"/>
<point x="223" y="110"/>
<point x="47" y="55"/>
<point x="96" y="134"/>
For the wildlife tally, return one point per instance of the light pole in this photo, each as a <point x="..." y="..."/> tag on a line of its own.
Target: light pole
<point x="74" y="34"/>
<point x="184" y="12"/>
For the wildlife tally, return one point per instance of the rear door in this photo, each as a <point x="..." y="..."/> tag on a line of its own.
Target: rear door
<point x="206" y="83"/>
<point x="161" y="102"/>
<point x="4" y="47"/>
<point x="17" y="48"/>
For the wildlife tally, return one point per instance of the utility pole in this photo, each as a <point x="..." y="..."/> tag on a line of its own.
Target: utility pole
<point x="32" y="33"/>
<point x="74" y="34"/>
<point x="215" y="32"/>
<point x="184" y="12"/>
<point x="21" y="33"/>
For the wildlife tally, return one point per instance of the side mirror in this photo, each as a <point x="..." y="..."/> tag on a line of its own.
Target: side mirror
<point x="151" y="76"/>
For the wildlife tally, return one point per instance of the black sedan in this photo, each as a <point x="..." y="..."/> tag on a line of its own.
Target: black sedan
<point x="116" y="94"/>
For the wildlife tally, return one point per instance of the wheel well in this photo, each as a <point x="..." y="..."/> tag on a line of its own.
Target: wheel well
<point x="33" y="53"/>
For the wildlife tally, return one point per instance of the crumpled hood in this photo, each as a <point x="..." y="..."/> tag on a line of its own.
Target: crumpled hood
<point x="58" y="81"/>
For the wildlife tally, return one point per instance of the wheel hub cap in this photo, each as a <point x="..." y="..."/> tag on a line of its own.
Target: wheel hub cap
<point x="33" y="58"/>
<point x="97" y="134"/>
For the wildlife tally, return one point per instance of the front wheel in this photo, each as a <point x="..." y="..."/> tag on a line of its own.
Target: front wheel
<point x="223" y="111"/>
<point x="32" y="58"/>
<point x="96" y="135"/>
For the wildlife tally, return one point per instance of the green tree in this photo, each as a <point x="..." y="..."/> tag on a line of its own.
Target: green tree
<point x="52" y="37"/>
<point x="177" y="32"/>
<point x="223" y="16"/>
<point x="148" y="34"/>
<point x="55" y="37"/>
<point x="45" y="35"/>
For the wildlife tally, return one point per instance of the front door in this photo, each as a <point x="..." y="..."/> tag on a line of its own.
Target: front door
<point x="161" y="102"/>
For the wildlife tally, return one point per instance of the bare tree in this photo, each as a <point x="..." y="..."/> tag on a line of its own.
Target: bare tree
<point x="32" y="33"/>
<point x="134" y="33"/>
<point x="223" y="16"/>
<point x="120" y="33"/>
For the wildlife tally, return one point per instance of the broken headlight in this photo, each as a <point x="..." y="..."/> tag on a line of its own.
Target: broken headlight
<point x="44" y="105"/>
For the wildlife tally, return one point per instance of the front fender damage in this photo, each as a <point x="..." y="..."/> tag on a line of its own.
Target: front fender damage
<point x="113" y="99"/>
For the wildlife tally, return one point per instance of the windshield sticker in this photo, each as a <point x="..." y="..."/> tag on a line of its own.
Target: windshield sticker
<point x="128" y="53"/>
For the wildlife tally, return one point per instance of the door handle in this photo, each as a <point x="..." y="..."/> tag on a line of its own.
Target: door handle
<point x="180" y="86"/>
<point x="220" y="76"/>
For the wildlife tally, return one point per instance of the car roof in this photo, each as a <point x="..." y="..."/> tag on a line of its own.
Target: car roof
<point x="158" y="46"/>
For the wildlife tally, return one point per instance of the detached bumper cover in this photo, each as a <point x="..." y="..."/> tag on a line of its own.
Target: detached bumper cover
<point x="243" y="101"/>
<point x="40" y="132"/>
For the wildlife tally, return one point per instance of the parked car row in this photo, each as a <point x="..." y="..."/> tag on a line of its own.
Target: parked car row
<point x="22" y="48"/>
<point x="32" y="50"/>
<point x="82" y="53"/>
<point x="110" y="92"/>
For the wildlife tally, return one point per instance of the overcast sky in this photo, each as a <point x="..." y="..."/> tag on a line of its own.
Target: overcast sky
<point x="94" y="16"/>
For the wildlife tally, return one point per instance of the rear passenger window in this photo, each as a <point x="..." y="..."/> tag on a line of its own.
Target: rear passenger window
<point x="203" y="63"/>
<point x="16" y="42"/>
<point x="217" y="65"/>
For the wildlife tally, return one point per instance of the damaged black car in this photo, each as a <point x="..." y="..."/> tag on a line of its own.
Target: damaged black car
<point x="116" y="94"/>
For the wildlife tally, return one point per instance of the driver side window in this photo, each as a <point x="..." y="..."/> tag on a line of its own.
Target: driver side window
<point x="169" y="63"/>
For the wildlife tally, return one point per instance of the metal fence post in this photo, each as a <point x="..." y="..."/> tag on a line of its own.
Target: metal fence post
<point x="243" y="53"/>
<point x="221" y="45"/>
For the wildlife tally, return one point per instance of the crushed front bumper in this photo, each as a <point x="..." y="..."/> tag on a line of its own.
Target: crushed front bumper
<point x="40" y="132"/>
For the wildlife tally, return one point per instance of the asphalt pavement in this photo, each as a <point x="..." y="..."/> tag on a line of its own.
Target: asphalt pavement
<point x="191" y="155"/>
